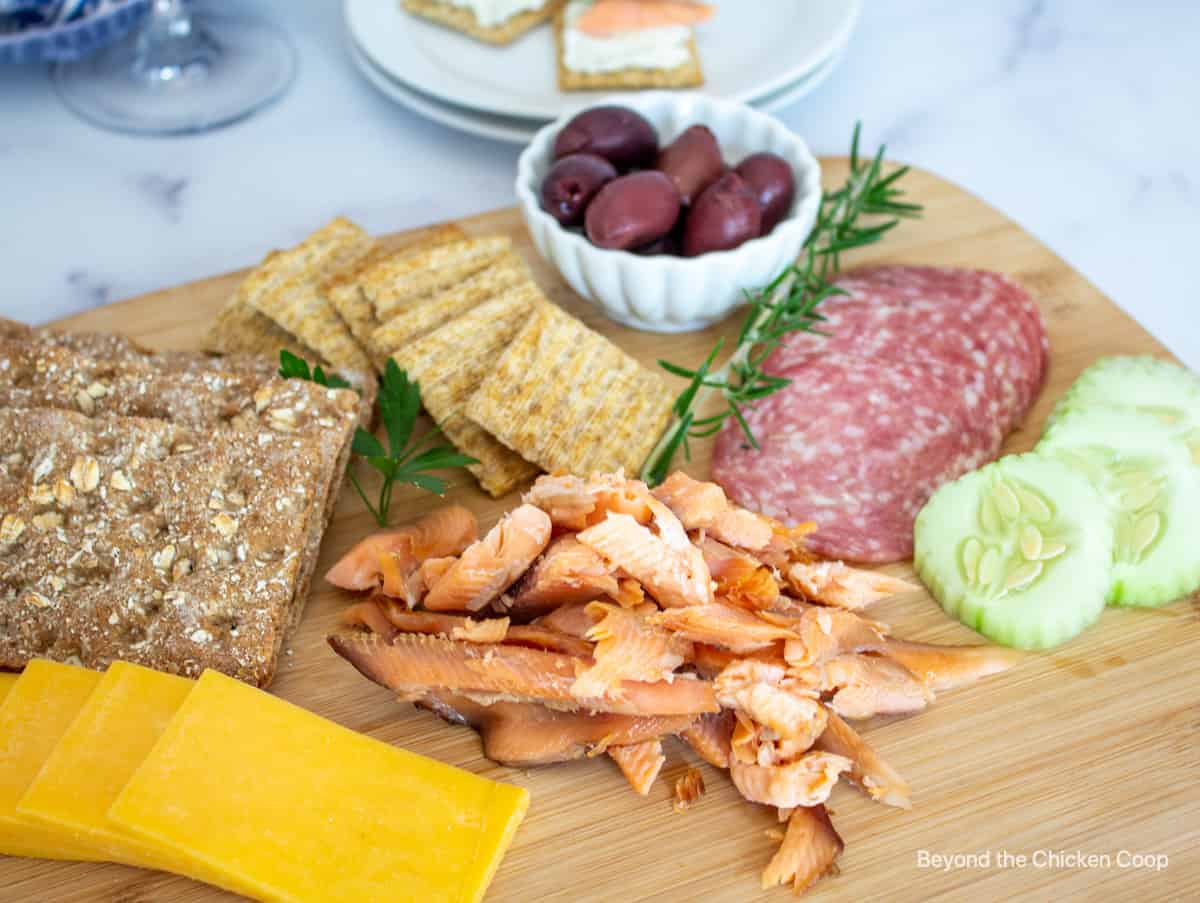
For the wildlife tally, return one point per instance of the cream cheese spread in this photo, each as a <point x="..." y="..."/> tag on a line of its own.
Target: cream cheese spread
<point x="652" y="48"/>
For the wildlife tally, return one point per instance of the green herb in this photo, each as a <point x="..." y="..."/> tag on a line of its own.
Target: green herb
<point x="789" y="304"/>
<point x="293" y="367"/>
<point x="404" y="459"/>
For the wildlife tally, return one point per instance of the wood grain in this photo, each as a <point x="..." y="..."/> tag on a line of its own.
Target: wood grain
<point x="1090" y="748"/>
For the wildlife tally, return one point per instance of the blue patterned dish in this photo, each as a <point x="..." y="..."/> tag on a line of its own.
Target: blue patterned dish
<point x="64" y="30"/>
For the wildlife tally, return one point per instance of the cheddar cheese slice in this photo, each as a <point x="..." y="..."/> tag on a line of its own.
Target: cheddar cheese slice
<point x="288" y="805"/>
<point x="6" y="683"/>
<point x="93" y="760"/>
<point x="36" y="713"/>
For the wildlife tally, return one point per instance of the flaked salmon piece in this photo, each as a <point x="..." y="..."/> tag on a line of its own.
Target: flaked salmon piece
<point x="949" y="667"/>
<point x="399" y="619"/>
<point x="828" y="632"/>
<point x="488" y="630"/>
<point x="434" y="569"/>
<point x="788" y="545"/>
<point x="786" y="707"/>
<point x="524" y="734"/>
<point x="863" y="686"/>
<point x="722" y="625"/>
<point x="607" y="18"/>
<point x="490" y="566"/>
<point x="709" y="660"/>
<point x="571" y="619"/>
<point x="743" y="740"/>
<point x="834" y="583"/>
<point x="575" y="503"/>
<point x="670" y="570"/>
<point x="741" y="579"/>
<point x="568" y="572"/>
<point x="878" y="779"/>
<point x="640" y="763"/>
<point x="709" y="737"/>
<point x="805" y="782"/>
<point x="688" y="789"/>
<point x="415" y="665"/>
<point x="628" y="647"/>
<point x="809" y="850"/>
<point x="704" y="506"/>
<point x="369" y="615"/>
<point x="446" y="531"/>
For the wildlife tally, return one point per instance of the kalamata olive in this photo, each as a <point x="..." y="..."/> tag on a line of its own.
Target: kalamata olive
<point x="571" y="184"/>
<point x="725" y="215"/>
<point x="693" y="161"/>
<point x="633" y="210"/>
<point x="666" y="245"/>
<point x="618" y="134"/>
<point x="771" y="179"/>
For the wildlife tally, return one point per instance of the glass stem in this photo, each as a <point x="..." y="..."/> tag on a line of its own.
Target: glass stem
<point x="169" y="46"/>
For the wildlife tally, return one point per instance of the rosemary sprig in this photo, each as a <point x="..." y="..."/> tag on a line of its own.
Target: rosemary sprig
<point x="789" y="304"/>
<point x="404" y="459"/>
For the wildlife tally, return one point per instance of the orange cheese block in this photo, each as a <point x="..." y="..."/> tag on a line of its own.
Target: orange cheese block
<point x="43" y="702"/>
<point x="283" y="802"/>
<point x="95" y="757"/>
<point x="6" y="683"/>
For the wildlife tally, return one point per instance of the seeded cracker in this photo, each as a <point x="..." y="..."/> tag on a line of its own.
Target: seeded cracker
<point x="428" y="314"/>
<point x="568" y="400"/>
<point x="451" y="362"/>
<point x="688" y="75"/>
<point x="464" y="20"/>
<point x="342" y="290"/>
<point x="146" y="541"/>
<point x="392" y="285"/>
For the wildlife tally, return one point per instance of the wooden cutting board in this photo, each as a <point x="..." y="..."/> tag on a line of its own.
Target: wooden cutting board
<point x="1091" y="749"/>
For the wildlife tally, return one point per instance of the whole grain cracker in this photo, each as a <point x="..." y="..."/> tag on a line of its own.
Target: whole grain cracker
<point x="464" y="20"/>
<point x="450" y="363"/>
<point x="568" y="400"/>
<point x="428" y="314"/>
<point x="392" y="285"/>
<point x="342" y="290"/>
<point x="687" y="75"/>
<point x="288" y="291"/>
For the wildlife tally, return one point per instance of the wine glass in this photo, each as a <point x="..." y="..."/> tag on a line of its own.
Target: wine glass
<point x="182" y="70"/>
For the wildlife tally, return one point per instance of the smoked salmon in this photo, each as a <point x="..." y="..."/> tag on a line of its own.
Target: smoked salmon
<point x="446" y="531"/>
<point x="575" y="503"/>
<point x="640" y="763"/>
<point x="949" y="667"/>
<point x="606" y="18"/>
<point x="863" y="686"/>
<point x="828" y="632"/>
<point x="780" y="704"/>
<point x="868" y="770"/>
<point x="709" y="737"/>
<point x="568" y="572"/>
<point x="808" y="852"/>
<point x="704" y="506"/>
<point x="491" y="565"/>
<point x="665" y="562"/>
<point x="415" y="665"/>
<point x="834" y="583"/>
<point x="722" y="625"/>
<point x="805" y="782"/>
<point x="740" y="579"/>
<point x="523" y="735"/>
<point x="688" y="790"/>
<point x="628" y="647"/>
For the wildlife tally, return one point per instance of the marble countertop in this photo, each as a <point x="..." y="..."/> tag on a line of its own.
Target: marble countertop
<point x="1078" y="124"/>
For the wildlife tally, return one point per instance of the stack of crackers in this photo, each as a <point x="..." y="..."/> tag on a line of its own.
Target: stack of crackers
<point x="165" y="509"/>
<point x="461" y="17"/>
<point x="511" y="379"/>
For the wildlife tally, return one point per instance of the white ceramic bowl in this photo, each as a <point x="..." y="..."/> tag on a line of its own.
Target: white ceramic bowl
<point x="664" y="293"/>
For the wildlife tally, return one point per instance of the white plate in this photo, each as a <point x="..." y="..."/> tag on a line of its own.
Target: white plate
<point x="750" y="48"/>
<point x="515" y="130"/>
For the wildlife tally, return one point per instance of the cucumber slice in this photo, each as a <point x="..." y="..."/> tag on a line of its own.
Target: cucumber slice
<point x="1151" y="485"/>
<point x="1020" y="550"/>
<point x="1148" y="384"/>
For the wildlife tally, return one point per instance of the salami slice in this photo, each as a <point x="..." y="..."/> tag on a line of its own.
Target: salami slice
<point x="857" y="446"/>
<point x="923" y="372"/>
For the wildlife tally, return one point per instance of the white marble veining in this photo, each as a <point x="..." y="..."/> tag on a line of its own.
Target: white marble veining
<point x="1077" y="119"/>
